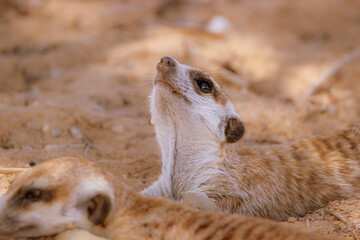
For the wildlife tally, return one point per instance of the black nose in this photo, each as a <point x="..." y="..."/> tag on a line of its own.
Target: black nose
<point x="168" y="61"/>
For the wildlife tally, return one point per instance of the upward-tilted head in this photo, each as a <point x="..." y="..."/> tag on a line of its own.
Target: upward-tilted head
<point x="195" y="100"/>
<point x="56" y="195"/>
<point x="193" y="119"/>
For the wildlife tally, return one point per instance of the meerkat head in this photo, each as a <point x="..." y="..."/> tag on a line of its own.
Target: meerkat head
<point x="54" y="196"/>
<point x="191" y="98"/>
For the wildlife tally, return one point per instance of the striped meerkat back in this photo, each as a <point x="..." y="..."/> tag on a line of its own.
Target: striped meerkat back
<point x="161" y="219"/>
<point x="288" y="180"/>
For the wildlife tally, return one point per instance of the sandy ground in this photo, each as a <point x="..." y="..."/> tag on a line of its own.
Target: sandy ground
<point x="75" y="76"/>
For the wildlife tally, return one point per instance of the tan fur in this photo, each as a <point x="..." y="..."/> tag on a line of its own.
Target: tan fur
<point x="290" y="180"/>
<point x="132" y="216"/>
<point x="196" y="137"/>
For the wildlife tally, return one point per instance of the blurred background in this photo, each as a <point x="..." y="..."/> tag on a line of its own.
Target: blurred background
<point x="75" y="76"/>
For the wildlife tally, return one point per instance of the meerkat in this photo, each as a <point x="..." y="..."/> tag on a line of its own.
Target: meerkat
<point x="198" y="131"/>
<point x="75" y="193"/>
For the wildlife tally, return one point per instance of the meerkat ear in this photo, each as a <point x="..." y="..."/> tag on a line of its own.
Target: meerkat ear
<point x="234" y="129"/>
<point x="98" y="208"/>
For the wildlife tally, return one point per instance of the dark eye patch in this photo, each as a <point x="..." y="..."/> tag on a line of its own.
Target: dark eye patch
<point x="25" y="196"/>
<point x="33" y="195"/>
<point x="202" y="82"/>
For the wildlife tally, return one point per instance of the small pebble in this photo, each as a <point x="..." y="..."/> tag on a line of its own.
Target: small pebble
<point x="46" y="128"/>
<point x="118" y="128"/>
<point x="98" y="108"/>
<point x="76" y="133"/>
<point x="30" y="164"/>
<point x="56" y="72"/>
<point x="27" y="148"/>
<point x="55" y="133"/>
<point x="50" y="147"/>
<point x="218" y="25"/>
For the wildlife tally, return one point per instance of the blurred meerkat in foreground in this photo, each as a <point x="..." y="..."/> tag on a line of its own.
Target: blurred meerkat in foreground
<point x="74" y="193"/>
<point x="196" y="126"/>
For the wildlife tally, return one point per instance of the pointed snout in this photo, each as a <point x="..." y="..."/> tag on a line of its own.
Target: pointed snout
<point x="166" y="64"/>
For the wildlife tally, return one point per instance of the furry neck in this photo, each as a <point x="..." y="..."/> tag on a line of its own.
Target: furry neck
<point x="186" y="152"/>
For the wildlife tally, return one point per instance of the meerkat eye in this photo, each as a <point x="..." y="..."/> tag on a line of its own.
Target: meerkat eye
<point x="25" y="197"/>
<point x="204" y="86"/>
<point x="33" y="195"/>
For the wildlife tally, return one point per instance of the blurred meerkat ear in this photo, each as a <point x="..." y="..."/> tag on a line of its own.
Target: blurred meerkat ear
<point x="98" y="208"/>
<point x="234" y="130"/>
